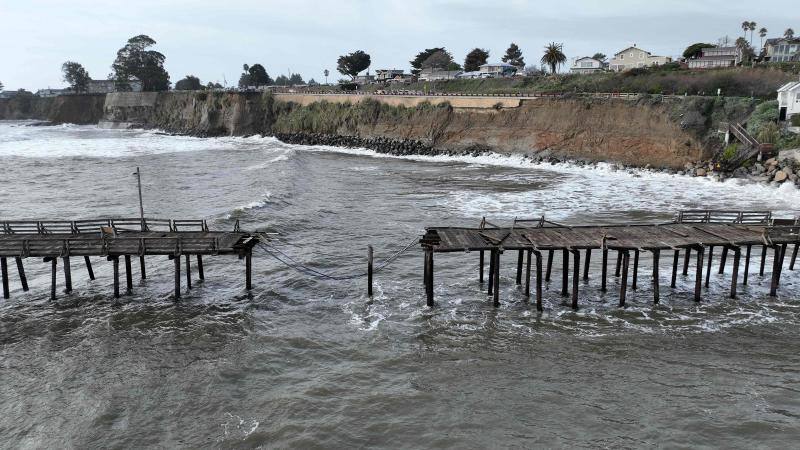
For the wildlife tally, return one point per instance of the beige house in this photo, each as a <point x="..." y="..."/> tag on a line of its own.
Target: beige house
<point x="633" y="57"/>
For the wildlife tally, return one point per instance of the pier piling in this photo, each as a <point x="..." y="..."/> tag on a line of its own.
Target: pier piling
<point x="4" y="270"/>
<point x="723" y="260"/>
<point x="115" y="263"/>
<point x="635" y="277"/>
<point x="576" y="273"/>
<point x="746" y="264"/>
<point x="794" y="256"/>
<point x="698" y="284"/>
<point x="550" y="254"/>
<point x="710" y="258"/>
<point x="763" y="260"/>
<point x="22" y="278"/>
<point x="737" y="253"/>
<point x="177" y="261"/>
<point x="142" y="269"/>
<point x="496" y="295"/>
<point x="656" y="293"/>
<point x="369" y="270"/>
<point x="564" y="272"/>
<point x="586" y="264"/>
<point x="686" y="257"/>
<point x="623" y="289"/>
<point x="528" y="276"/>
<point x="188" y="273"/>
<point x="128" y="276"/>
<point x="480" y="265"/>
<point x="67" y="275"/>
<point x="519" y="267"/>
<point x="538" y="281"/>
<point x="89" y="269"/>
<point x="604" y="269"/>
<point x="200" y="273"/>
<point x="53" y="269"/>
<point x="675" y="258"/>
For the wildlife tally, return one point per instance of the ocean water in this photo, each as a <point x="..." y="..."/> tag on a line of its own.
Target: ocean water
<point x="309" y="363"/>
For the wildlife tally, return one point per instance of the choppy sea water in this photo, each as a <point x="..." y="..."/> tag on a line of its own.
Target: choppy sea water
<point x="301" y="362"/>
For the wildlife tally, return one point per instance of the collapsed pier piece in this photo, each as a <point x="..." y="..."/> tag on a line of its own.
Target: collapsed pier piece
<point x="690" y="231"/>
<point x="113" y="239"/>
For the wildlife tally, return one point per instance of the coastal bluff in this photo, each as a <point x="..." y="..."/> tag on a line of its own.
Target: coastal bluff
<point x="655" y="131"/>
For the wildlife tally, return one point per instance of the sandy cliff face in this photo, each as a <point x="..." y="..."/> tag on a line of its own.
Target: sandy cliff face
<point x="78" y="109"/>
<point x="655" y="131"/>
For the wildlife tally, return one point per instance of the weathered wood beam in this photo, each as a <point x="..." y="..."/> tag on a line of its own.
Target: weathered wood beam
<point x="200" y="273"/>
<point x="188" y="272"/>
<point x="538" y="280"/>
<point x="177" y="261"/>
<point x="4" y="271"/>
<point x="564" y="272"/>
<point x="128" y="275"/>
<point x="635" y="278"/>
<point x="586" y="264"/>
<point x="496" y="298"/>
<point x="746" y="264"/>
<point x="528" y="275"/>
<point x="21" y="270"/>
<point x="142" y="269"/>
<point x="698" y="283"/>
<point x="604" y="271"/>
<point x="656" y="293"/>
<point x="675" y="257"/>
<point x="429" y="299"/>
<point x="550" y="254"/>
<point x="710" y="258"/>
<point x="776" y="271"/>
<point x="53" y="269"/>
<point x="794" y="256"/>
<point x="686" y="257"/>
<point x="623" y="289"/>
<point x="369" y="270"/>
<point x="737" y="253"/>
<point x="723" y="260"/>
<point x="491" y="272"/>
<point x="576" y="274"/>
<point x="519" y="267"/>
<point x="115" y="263"/>
<point x="67" y="275"/>
<point x="89" y="269"/>
<point x="763" y="260"/>
<point x="480" y="265"/>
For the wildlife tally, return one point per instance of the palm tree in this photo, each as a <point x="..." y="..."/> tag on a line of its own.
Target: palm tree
<point x="745" y="27"/>
<point x="751" y="26"/>
<point x="789" y="33"/>
<point x="553" y="56"/>
<point x="763" y="33"/>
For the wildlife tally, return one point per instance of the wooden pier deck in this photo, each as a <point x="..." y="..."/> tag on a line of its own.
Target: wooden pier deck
<point x="118" y="238"/>
<point x="691" y="231"/>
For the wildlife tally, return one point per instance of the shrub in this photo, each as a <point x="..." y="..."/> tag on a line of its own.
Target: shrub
<point x="795" y="120"/>
<point x="769" y="133"/>
<point x="766" y="112"/>
<point x="730" y="152"/>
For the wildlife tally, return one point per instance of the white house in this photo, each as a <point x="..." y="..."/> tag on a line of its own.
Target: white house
<point x="433" y="74"/>
<point x="497" y="70"/>
<point x="586" y="65"/>
<point x="788" y="100"/>
<point x="386" y="75"/>
<point x="634" y="57"/>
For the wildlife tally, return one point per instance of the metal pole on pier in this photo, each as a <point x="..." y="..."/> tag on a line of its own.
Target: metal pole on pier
<point x="141" y="204"/>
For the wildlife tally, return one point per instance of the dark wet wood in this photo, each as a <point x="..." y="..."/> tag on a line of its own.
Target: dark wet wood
<point x="698" y="282"/>
<point x="128" y="275"/>
<point x="496" y="297"/>
<point x="480" y="264"/>
<point x="89" y="269"/>
<point x="4" y="274"/>
<point x="604" y="271"/>
<point x="549" y="265"/>
<point x="710" y="258"/>
<point x="200" y="273"/>
<point x="520" y="257"/>
<point x="21" y="270"/>
<point x="67" y="275"/>
<point x="737" y="253"/>
<point x="586" y="264"/>
<point x="746" y="264"/>
<point x="623" y="290"/>
<point x="635" y="278"/>
<point x="564" y="273"/>
<point x="675" y="258"/>
<point x="576" y="273"/>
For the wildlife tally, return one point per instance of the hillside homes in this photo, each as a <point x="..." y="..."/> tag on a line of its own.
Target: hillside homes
<point x="587" y="65"/>
<point x="634" y="57"/>
<point x="716" y="57"/>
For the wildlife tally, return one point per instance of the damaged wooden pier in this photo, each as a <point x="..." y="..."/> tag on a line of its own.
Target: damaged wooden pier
<point x="116" y="239"/>
<point x="694" y="233"/>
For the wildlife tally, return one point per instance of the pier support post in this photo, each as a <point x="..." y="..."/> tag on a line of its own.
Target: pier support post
<point x="656" y="293"/>
<point x="586" y="264"/>
<point x="783" y="256"/>
<point x="177" y="261"/>
<point x="623" y="289"/>
<point x="491" y="271"/>
<point x="723" y="260"/>
<point x="128" y="275"/>
<point x="480" y="264"/>
<point x="675" y="258"/>
<point x="528" y="275"/>
<point x="686" y="258"/>
<point x="698" y="284"/>
<point x="564" y="272"/>
<point x="429" y="266"/>
<point x="519" y="267"/>
<point x="369" y="270"/>
<point x="189" y="272"/>
<point x="67" y="275"/>
<point x="635" y="278"/>
<point x="776" y="271"/>
<point x="550" y="254"/>
<point x="619" y="263"/>
<point x="763" y="260"/>
<point x="794" y="256"/>
<point x="4" y="270"/>
<point x="22" y="278"/>
<point x="115" y="263"/>
<point x="89" y="269"/>
<point x="604" y="270"/>
<point x="142" y="269"/>
<point x="538" y="281"/>
<point x="576" y="275"/>
<point x="746" y="264"/>
<point x="708" y="269"/>
<point x="737" y="253"/>
<point x="53" y="269"/>
<point x="248" y="260"/>
<point x="200" y="274"/>
<point x="496" y="298"/>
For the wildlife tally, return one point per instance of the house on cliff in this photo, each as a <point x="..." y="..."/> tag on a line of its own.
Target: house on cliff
<point x="781" y="50"/>
<point x="788" y="100"/>
<point x="587" y="65"/>
<point x="438" y="75"/>
<point x="716" y="57"/>
<point x="634" y="57"/>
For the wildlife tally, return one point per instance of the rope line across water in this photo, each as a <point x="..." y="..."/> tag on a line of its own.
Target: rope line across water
<point x="292" y="263"/>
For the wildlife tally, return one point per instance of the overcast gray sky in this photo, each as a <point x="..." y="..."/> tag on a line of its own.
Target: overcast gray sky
<point x="212" y="39"/>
